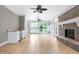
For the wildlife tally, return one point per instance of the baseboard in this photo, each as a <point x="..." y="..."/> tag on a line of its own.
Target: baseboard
<point x="1" y="44"/>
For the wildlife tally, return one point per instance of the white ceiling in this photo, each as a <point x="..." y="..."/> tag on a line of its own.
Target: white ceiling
<point x="52" y="12"/>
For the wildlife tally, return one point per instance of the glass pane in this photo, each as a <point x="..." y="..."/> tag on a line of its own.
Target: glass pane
<point x="39" y="27"/>
<point x="34" y="25"/>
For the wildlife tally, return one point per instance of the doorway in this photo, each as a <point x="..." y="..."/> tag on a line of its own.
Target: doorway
<point x="39" y="27"/>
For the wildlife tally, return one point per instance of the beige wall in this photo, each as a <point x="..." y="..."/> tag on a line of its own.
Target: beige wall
<point x="8" y="20"/>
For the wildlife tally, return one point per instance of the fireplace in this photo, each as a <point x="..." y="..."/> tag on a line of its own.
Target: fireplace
<point x="69" y="33"/>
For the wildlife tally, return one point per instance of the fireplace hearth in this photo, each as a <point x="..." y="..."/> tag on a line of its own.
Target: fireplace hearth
<point x="69" y="33"/>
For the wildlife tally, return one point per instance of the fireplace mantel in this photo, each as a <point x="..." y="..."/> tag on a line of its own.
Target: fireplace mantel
<point x="74" y="20"/>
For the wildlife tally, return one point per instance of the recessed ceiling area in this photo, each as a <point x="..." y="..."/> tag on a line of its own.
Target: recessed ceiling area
<point x="52" y="12"/>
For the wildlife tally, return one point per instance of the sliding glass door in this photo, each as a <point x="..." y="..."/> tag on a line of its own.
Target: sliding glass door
<point x="39" y="27"/>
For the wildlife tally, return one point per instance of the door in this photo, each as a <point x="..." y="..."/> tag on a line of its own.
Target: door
<point x="39" y="27"/>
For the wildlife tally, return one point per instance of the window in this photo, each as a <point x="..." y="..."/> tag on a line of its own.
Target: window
<point x="39" y="27"/>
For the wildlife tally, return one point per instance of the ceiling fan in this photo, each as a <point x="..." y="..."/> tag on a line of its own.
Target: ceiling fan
<point x="39" y="9"/>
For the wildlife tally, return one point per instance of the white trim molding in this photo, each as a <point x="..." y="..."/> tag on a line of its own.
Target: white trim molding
<point x="1" y="44"/>
<point x="74" y="20"/>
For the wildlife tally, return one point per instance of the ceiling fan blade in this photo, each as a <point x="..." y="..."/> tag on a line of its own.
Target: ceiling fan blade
<point x="44" y="9"/>
<point x="34" y="11"/>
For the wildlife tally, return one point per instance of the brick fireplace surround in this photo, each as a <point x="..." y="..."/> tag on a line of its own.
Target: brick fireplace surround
<point x="70" y="14"/>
